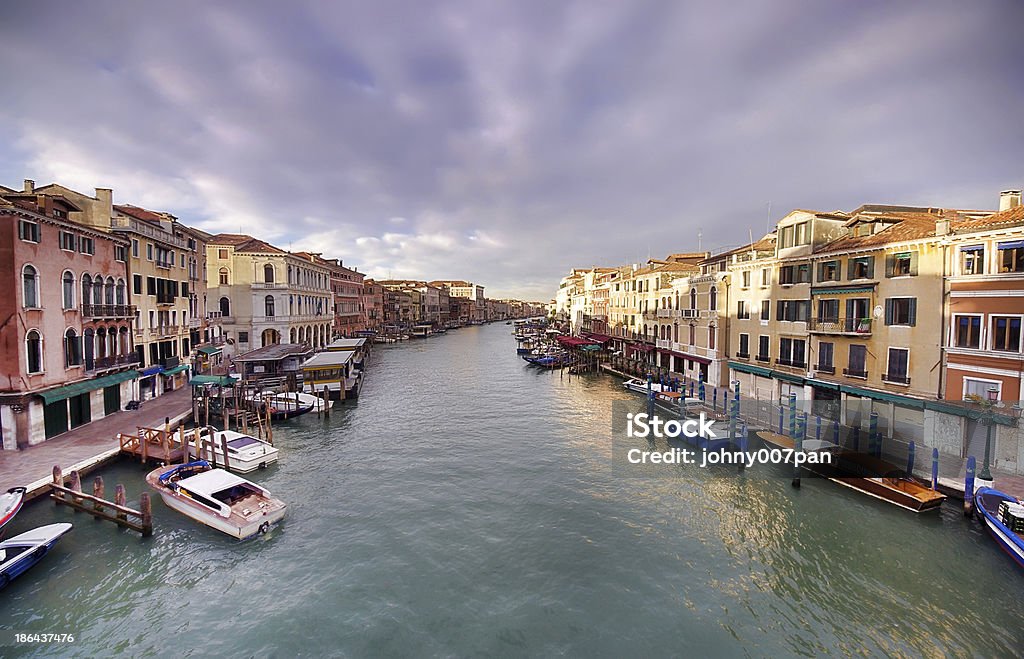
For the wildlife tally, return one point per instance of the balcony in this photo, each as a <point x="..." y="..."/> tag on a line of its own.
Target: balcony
<point x="689" y="313"/>
<point x="855" y="373"/>
<point x="164" y="264"/>
<point x="104" y="363"/>
<point x="895" y="378"/>
<point x="665" y="344"/>
<point x="789" y="362"/>
<point x="668" y="313"/>
<point x="822" y="368"/>
<point x="164" y="331"/>
<point x="742" y="355"/>
<point x="855" y="326"/>
<point x="270" y="285"/>
<point x="108" y="311"/>
<point x="764" y="358"/>
<point x="709" y="314"/>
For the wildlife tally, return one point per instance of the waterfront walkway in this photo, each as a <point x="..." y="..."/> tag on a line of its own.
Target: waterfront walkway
<point x="90" y="445"/>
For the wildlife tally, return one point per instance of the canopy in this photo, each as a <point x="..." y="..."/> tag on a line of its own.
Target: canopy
<point x="573" y="341"/>
<point x="152" y="370"/>
<point x="177" y="369"/>
<point x="221" y="380"/>
<point x="63" y="393"/>
<point x="210" y="350"/>
<point x="600" y="338"/>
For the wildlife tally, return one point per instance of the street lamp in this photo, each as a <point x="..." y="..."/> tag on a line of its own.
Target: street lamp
<point x="988" y="418"/>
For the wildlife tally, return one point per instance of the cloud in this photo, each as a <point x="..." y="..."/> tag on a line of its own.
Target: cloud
<point x="507" y="142"/>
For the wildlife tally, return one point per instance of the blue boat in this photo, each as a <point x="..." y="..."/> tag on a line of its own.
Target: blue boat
<point x="23" y="551"/>
<point x="10" y="504"/>
<point x="1003" y="515"/>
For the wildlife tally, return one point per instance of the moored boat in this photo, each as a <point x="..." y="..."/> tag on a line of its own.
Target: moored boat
<point x="288" y="404"/>
<point x="10" y="504"/>
<point x="23" y="551"/>
<point x="245" y="453"/>
<point x="1003" y="516"/>
<point x="217" y="498"/>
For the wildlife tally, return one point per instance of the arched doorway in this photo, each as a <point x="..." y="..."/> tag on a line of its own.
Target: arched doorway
<point x="270" y="337"/>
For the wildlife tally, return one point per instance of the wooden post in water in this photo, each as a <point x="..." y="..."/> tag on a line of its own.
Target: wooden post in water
<point x="120" y="499"/>
<point x="206" y="408"/>
<point x="969" y="487"/>
<point x="58" y="476"/>
<point x="798" y="446"/>
<point x="76" y="485"/>
<point x="270" y="428"/>
<point x="224" y="446"/>
<point x="911" y="449"/>
<point x="97" y="491"/>
<point x="792" y="415"/>
<point x="167" y="439"/>
<point x="327" y="401"/>
<point x="146" y="508"/>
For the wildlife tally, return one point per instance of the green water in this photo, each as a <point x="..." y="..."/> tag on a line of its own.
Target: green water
<point x="467" y="505"/>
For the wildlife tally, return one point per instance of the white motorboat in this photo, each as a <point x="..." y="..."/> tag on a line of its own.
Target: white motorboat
<point x="217" y="498"/>
<point x="640" y="386"/>
<point x="23" y="551"/>
<point x="10" y="504"/>
<point x="288" y="404"/>
<point x="245" y="453"/>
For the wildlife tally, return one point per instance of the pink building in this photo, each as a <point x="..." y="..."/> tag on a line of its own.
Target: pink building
<point x="67" y="356"/>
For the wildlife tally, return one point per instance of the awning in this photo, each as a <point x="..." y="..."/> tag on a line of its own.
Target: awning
<point x="641" y="347"/>
<point x="177" y="369"/>
<point x="972" y="248"/>
<point x="600" y="338"/>
<point x="821" y="384"/>
<point x="788" y="377"/>
<point x="63" y="393"/>
<point x="750" y="368"/>
<point x="839" y="290"/>
<point x="683" y="355"/>
<point x="593" y="347"/>
<point x="1013" y="244"/>
<point x="220" y="380"/>
<point x="152" y="370"/>
<point x="573" y="341"/>
<point x="210" y="350"/>
<point x="902" y="401"/>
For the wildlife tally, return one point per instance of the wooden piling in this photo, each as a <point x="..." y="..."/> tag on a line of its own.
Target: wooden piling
<point x="76" y="485"/>
<point x="120" y="500"/>
<point x="97" y="491"/>
<point x="58" y="476"/>
<point x="224" y="447"/>
<point x="146" y="508"/>
<point x="97" y="506"/>
<point x="969" y="487"/>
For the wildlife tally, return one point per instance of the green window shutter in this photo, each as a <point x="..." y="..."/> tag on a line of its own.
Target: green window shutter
<point x="871" y="267"/>
<point x="889" y="303"/>
<point x="913" y="263"/>
<point x="913" y="311"/>
<point x="890" y="263"/>
<point x="849" y="268"/>
<point x="781" y="312"/>
<point x="849" y="309"/>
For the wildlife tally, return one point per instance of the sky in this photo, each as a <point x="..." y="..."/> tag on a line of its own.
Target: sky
<point x="507" y="142"/>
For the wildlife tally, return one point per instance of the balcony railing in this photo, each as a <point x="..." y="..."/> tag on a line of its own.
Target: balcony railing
<point x="689" y="313"/>
<point x="854" y="373"/>
<point x="789" y="362"/>
<point x="743" y="355"/>
<point x="668" y="313"/>
<point x="763" y="358"/>
<point x="650" y="315"/>
<point x="108" y="311"/>
<point x="102" y="363"/>
<point x="164" y="264"/>
<point x="665" y="344"/>
<point x="840" y="325"/>
<point x="895" y="378"/>
<point x="822" y="368"/>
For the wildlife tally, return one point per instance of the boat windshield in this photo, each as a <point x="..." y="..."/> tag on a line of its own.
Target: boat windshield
<point x="242" y="442"/>
<point x="234" y="494"/>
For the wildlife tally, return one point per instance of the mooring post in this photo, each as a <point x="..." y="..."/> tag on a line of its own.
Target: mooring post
<point x="76" y="485"/>
<point x="781" y="414"/>
<point x="798" y="446"/>
<point x="224" y="447"/>
<point x="792" y="415"/>
<point x="146" y="510"/>
<point x="714" y="399"/>
<point x="876" y="440"/>
<point x="58" y="476"/>
<point x="911" y="449"/>
<point x="327" y="401"/>
<point x="856" y="438"/>
<point x="835" y="432"/>
<point x="120" y="499"/>
<point x="935" y="468"/>
<point x="650" y="398"/>
<point x="817" y="428"/>
<point x="969" y="487"/>
<point x="97" y="491"/>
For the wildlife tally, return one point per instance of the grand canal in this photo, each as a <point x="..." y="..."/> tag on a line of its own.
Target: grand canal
<point x="467" y="505"/>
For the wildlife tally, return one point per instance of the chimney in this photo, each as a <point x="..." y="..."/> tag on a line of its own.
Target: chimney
<point x="942" y="226"/>
<point x="30" y="185"/>
<point x="105" y="196"/>
<point x="1007" y="199"/>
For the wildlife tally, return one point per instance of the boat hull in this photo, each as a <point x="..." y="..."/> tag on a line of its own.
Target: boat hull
<point x="241" y="532"/>
<point x="32" y="547"/>
<point x="10" y="504"/>
<point x="987" y="503"/>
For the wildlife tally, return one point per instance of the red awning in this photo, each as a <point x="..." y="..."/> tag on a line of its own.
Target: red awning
<point x="599" y="338"/>
<point x="642" y="347"/>
<point x="683" y="355"/>
<point x="574" y="341"/>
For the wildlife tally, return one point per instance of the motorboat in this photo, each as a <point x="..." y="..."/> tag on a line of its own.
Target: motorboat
<point x="23" y="551"/>
<point x="245" y="452"/>
<point x="640" y="386"/>
<point x="288" y="404"/>
<point x="10" y="504"/>
<point x="217" y="498"/>
<point x="1003" y="516"/>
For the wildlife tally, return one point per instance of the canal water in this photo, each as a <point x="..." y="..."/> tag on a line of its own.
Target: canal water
<point x="467" y="505"/>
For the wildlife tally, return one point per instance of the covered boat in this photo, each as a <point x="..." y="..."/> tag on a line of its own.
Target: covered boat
<point x="217" y="498"/>
<point x="10" y="504"/>
<point x="1003" y="516"/>
<point x="23" y="551"/>
<point x="245" y="452"/>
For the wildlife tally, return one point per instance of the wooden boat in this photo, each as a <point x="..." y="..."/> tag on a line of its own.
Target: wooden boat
<point x="217" y="498"/>
<point x="1003" y="516"/>
<point x="23" y="551"/>
<point x="10" y="504"/>
<point x="245" y="453"/>
<point x="865" y="473"/>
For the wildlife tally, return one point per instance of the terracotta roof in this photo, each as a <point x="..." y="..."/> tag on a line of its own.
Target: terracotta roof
<point x="904" y="227"/>
<point x="244" y="243"/>
<point x="763" y="245"/>
<point x="141" y="213"/>
<point x="1008" y="218"/>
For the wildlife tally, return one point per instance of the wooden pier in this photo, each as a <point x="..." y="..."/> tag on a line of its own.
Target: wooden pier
<point x="116" y="511"/>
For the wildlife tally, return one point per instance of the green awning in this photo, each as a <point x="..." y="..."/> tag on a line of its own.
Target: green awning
<point x="788" y="377"/>
<point x="969" y="412"/>
<point x="902" y="401"/>
<point x="177" y="369"/>
<point x="63" y="393"/>
<point x="840" y="290"/>
<point x="750" y="368"/>
<point x="821" y="384"/>
<point x="220" y="380"/>
<point x="210" y="350"/>
<point x="591" y="348"/>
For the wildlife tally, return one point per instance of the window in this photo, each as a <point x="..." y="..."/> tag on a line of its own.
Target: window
<point x="978" y="387"/>
<point x="268" y="303"/>
<point x="903" y="264"/>
<point x="972" y="260"/>
<point x="243" y="337"/>
<point x="746" y="279"/>
<point x="72" y="349"/>
<point x="28" y="231"/>
<point x="149" y="251"/>
<point x="742" y="312"/>
<point x="744" y="349"/>
<point x="108" y="291"/>
<point x="828" y="271"/>
<point x="858" y="361"/>
<point x="862" y="267"/>
<point x="795" y="274"/>
<point x="828" y="311"/>
<point x="1011" y="256"/>
<point x="120" y="253"/>
<point x="137" y="284"/>
<point x="119" y="292"/>
<point x="34" y="351"/>
<point x="766" y="309"/>
<point x="803" y="234"/>
<point x="30" y="287"/>
<point x="150" y="285"/>
<point x="86" y="245"/>
<point x="766" y="277"/>
<point x="793" y="310"/>
<point x="968" y="332"/>
<point x="901" y="311"/>
<point x="764" y="348"/>
<point x="225" y="306"/>
<point x="896" y="370"/>
<point x="713" y="303"/>
<point x="711" y="337"/>
<point x="67" y="241"/>
<point x="68" y="290"/>
<point x="223" y="254"/>
<point x="135" y="248"/>
<point x="792" y="351"/>
<point x="787" y="237"/>
<point x="1006" y="333"/>
<point x="223" y="276"/>
<point x="86" y="289"/>
<point x="693" y="335"/>
<point x="826" y="355"/>
<point x="268" y="274"/>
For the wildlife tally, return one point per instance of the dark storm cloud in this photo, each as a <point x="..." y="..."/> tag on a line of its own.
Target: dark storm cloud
<point x="506" y="142"/>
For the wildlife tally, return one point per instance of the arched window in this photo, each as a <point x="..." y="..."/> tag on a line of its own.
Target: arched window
<point x="693" y="335"/>
<point x="676" y="331"/>
<point x="693" y="298"/>
<point x="268" y="305"/>
<point x="34" y="351"/>
<point x="268" y="273"/>
<point x="89" y="348"/>
<point x="124" y="345"/>
<point x="119" y="292"/>
<point x="225" y="306"/>
<point x="108" y="291"/>
<point x="711" y="337"/>
<point x="291" y="336"/>
<point x="97" y="289"/>
<point x="714" y="299"/>
<point x="68" y="289"/>
<point x="30" y="286"/>
<point x="86" y="289"/>
<point x="72" y="349"/>
<point x="223" y="276"/>
<point x="290" y="279"/>
<point x="101" y="342"/>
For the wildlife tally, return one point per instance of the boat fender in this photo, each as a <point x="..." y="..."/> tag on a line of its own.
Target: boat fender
<point x="264" y="527"/>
